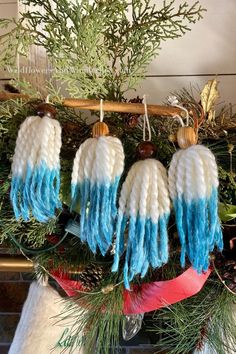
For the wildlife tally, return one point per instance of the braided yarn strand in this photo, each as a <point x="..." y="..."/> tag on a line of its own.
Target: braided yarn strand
<point x="193" y="182"/>
<point x="97" y="169"/>
<point x="145" y="204"/>
<point x="36" y="169"/>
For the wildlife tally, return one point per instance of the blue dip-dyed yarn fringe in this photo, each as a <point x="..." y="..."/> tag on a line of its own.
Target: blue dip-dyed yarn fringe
<point x="98" y="212"/>
<point x="199" y="230"/>
<point x="37" y="194"/>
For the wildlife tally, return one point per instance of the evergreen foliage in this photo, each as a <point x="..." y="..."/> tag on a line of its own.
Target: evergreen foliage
<point x="207" y="316"/>
<point x="98" y="49"/>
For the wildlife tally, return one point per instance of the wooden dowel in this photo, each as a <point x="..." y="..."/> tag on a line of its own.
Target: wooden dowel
<point x="122" y="107"/>
<point x="5" y="96"/>
<point x="108" y="106"/>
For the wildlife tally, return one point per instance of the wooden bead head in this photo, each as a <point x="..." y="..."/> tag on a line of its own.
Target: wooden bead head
<point x="46" y="109"/>
<point x="146" y="150"/>
<point x="100" y="129"/>
<point x="186" y="137"/>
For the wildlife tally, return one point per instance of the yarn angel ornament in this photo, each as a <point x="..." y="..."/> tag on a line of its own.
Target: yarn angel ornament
<point x="144" y="207"/>
<point x="98" y="166"/>
<point x="193" y="183"/>
<point x="36" y="166"/>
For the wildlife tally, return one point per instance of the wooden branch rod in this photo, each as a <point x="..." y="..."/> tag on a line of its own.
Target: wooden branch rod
<point x="108" y="106"/>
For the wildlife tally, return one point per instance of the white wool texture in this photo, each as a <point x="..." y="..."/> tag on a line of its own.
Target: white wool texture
<point x="193" y="173"/>
<point x="145" y="191"/>
<point x="98" y="160"/>
<point x="39" y="140"/>
<point x="39" y="331"/>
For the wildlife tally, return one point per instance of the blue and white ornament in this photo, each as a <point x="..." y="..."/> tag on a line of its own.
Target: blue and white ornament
<point x="143" y="215"/>
<point x="193" y="184"/>
<point x="98" y="166"/>
<point x="144" y="203"/>
<point x="36" y="168"/>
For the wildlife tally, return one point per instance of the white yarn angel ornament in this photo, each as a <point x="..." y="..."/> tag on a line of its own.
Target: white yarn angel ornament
<point x="193" y="184"/>
<point x="36" y="166"/>
<point x="145" y="205"/>
<point x="97" y="169"/>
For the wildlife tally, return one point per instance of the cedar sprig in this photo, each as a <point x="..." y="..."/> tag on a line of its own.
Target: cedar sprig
<point x="95" y="48"/>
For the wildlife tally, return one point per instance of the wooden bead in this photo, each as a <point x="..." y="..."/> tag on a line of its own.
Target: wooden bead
<point x="100" y="129"/>
<point x="146" y="150"/>
<point x="46" y="109"/>
<point x="186" y="137"/>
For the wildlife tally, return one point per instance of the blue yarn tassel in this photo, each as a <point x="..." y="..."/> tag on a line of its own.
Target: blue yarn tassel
<point x="199" y="229"/>
<point x="98" y="211"/>
<point x="36" y="194"/>
<point x="147" y="245"/>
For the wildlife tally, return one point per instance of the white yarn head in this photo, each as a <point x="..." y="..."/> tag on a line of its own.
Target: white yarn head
<point x="145" y="191"/>
<point x="99" y="160"/>
<point x="39" y="140"/>
<point x="193" y="173"/>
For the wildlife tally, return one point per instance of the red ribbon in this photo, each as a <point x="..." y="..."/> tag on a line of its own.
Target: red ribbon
<point x="149" y="296"/>
<point x="152" y="296"/>
<point x="69" y="286"/>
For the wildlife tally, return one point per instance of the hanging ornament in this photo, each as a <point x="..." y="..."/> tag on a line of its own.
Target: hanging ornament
<point x="144" y="203"/>
<point x="36" y="166"/>
<point x="97" y="169"/>
<point x="193" y="183"/>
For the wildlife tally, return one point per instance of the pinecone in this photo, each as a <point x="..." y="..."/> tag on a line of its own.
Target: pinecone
<point x="131" y="120"/>
<point x="91" y="276"/>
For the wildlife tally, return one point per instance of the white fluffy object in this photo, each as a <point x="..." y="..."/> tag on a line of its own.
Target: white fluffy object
<point x="37" y="331"/>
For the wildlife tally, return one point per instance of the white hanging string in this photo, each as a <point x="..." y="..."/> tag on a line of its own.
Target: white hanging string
<point x="173" y="101"/>
<point x="146" y="121"/>
<point x="180" y="119"/>
<point x="101" y="110"/>
<point x="187" y="114"/>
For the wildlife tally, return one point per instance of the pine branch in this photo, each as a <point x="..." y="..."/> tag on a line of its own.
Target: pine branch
<point x="207" y="316"/>
<point x="98" y="316"/>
